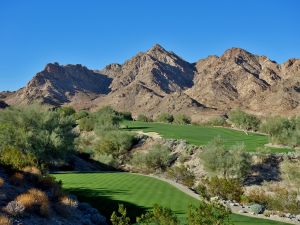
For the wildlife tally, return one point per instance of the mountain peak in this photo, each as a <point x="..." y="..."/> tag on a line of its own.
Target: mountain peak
<point x="234" y="52"/>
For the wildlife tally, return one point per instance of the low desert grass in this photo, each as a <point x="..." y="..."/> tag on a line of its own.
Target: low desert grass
<point x="35" y="200"/>
<point x="1" y="181"/>
<point x="4" y="220"/>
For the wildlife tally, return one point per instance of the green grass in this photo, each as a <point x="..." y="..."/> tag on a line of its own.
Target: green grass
<point x="138" y="193"/>
<point x="199" y="135"/>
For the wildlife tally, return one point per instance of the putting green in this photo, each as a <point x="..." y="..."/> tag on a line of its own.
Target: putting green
<point x="199" y="135"/>
<point x="138" y="193"/>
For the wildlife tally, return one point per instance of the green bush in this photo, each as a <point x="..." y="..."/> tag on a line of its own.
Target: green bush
<point x="66" y="111"/>
<point x="217" y="121"/>
<point x="228" y="189"/>
<point x="106" y="119"/>
<point x="208" y="213"/>
<point x="158" y="216"/>
<point x="143" y="118"/>
<point x="243" y="120"/>
<point x="47" y="135"/>
<point x="87" y="123"/>
<point x="182" y="119"/>
<point x="81" y="114"/>
<point x="282" y="130"/>
<point x="13" y="157"/>
<point x="182" y="174"/>
<point x="120" y="217"/>
<point x="157" y="158"/>
<point x="115" y="143"/>
<point x="229" y="163"/>
<point x="165" y="118"/>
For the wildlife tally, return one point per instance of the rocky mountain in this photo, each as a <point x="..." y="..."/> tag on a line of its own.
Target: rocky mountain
<point x="160" y="81"/>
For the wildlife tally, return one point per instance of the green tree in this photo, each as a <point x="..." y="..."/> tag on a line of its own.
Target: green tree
<point x="244" y="120"/>
<point x="47" y="135"/>
<point x="143" y="118"/>
<point x="120" y="217"/>
<point x="208" y="214"/>
<point x="106" y="119"/>
<point x="158" y="216"/>
<point x="157" y="158"/>
<point x="233" y="162"/>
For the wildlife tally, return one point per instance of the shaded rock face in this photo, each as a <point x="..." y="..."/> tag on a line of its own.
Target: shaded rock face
<point x="3" y="105"/>
<point x="160" y="81"/>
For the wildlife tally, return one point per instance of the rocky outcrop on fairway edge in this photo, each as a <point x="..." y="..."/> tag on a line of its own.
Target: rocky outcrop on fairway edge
<point x="160" y="81"/>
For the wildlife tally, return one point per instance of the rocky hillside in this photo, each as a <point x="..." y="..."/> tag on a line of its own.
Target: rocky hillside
<point x="160" y="81"/>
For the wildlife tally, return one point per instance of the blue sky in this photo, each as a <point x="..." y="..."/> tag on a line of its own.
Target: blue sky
<point x="95" y="33"/>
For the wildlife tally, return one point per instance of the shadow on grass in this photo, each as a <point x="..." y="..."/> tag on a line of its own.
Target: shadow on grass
<point x="102" y="200"/>
<point x="136" y="128"/>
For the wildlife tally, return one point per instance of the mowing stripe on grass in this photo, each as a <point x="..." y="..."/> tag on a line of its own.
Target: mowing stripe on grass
<point x="138" y="193"/>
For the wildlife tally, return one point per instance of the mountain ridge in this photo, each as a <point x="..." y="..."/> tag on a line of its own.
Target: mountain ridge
<point x="158" y="81"/>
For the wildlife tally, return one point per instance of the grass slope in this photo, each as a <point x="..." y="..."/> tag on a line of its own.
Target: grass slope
<point x="199" y="135"/>
<point x="138" y="193"/>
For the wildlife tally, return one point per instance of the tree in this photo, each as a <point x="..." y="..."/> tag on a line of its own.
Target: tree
<point x="290" y="171"/>
<point x="243" y="120"/>
<point x="157" y="158"/>
<point x="143" y="118"/>
<point x="35" y="130"/>
<point x="106" y="119"/>
<point x="234" y="162"/>
<point x="120" y="217"/>
<point x="208" y="214"/>
<point x="158" y="216"/>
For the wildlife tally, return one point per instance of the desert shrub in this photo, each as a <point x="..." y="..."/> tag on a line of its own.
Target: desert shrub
<point x="106" y="119"/>
<point x="35" y="200"/>
<point x="282" y="130"/>
<point x="14" y="208"/>
<point x="208" y="213"/>
<point x="182" y="174"/>
<point x="217" y="121"/>
<point x="201" y="189"/>
<point x="32" y="170"/>
<point x="157" y="158"/>
<point x="66" y="111"/>
<point x="182" y="119"/>
<point x="244" y="120"/>
<point x="143" y="118"/>
<point x="158" y="216"/>
<point x="290" y="172"/>
<point x="256" y="208"/>
<point x="86" y="123"/>
<point x="165" y="118"/>
<point x="120" y="217"/>
<point x="47" y="135"/>
<point x="17" y="159"/>
<point x="228" y="189"/>
<point x="115" y="143"/>
<point x="1" y="182"/>
<point x="68" y="201"/>
<point x="17" y="179"/>
<point x="81" y="114"/>
<point x="234" y="162"/>
<point x="4" y="220"/>
<point x="280" y="199"/>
